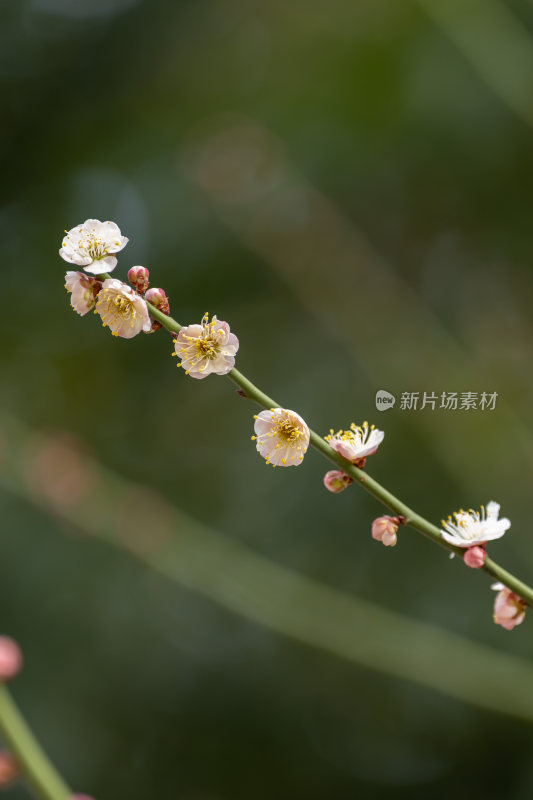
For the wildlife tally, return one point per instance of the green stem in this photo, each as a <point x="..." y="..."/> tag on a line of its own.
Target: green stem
<point x="44" y="780"/>
<point x="362" y="477"/>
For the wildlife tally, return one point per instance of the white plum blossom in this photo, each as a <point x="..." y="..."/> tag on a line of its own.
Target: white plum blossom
<point x="84" y="291"/>
<point x="282" y="437"/>
<point x="469" y="528"/>
<point x="206" y="348"/>
<point x="92" y="245"/>
<point x="122" y="309"/>
<point x="357" y="443"/>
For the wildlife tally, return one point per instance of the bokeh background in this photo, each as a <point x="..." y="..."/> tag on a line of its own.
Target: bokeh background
<point x="349" y="185"/>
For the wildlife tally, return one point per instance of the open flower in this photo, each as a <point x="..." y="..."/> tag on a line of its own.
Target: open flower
<point x="206" y="348"/>
<point x="282" y="437"/>
<point x="84" y="291"/>
<point x="509" y="608"/>
<point x="122" y="309"/>
<point x="468" y="528"/>
<point x="92" y="244"/>
<point x="357" y="443"/>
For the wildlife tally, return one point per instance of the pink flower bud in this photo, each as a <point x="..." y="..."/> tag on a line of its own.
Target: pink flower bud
<point x="157" y="298"/>
<point x="9" y="770"/>
<point x="336" y="481"/>
<point x="384" y="530"/>
<point x="474" y="557"/>
<point x="80" y="797"/>
<point x="10" y="658"/>
<point x="509" y="608"/>
<point x="138" y="277"/>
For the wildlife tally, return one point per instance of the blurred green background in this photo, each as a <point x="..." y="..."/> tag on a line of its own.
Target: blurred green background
<point x="348" y="184"/>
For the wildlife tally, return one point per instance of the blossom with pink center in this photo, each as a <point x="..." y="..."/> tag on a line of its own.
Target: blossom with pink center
<point x="84" y="291"/>
<point x="384" y="530"/>
<point x="206" y="348"/>
<point x="474" y="557"/>
<point x="468" y="528"/>
<point x="92" y="245"/>
<point x="10" y="658"/>
<point x="122" y="309"/>
<point x="357" y="443"/>
<point x="509" y="608"/>
<point x="282" y="437"/>
<point x="9" y="770"/>
<point x="336" y="480"/>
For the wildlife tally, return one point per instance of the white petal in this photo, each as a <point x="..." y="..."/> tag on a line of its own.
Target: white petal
<point x="102" y="265"/>
<point x="73" y="257"/>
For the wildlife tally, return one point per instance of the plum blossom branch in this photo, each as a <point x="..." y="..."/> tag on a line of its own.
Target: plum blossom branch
<point x="360" y="476"/>
<point x="210" y="348"/>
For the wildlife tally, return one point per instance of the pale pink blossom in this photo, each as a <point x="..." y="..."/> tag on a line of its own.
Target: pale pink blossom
<point x="138" y="277"/>
<point x="10" y="658"/>
<point x="336" y="480"/>
<point x="282" y="437"/>
<point x="9" y="770"/>
<point x="122" y="309"/>
<point x="84" y="291"/>
<point x="474" y="557"/>
<point x="92" y="245"/>
<point x="509" y="608"/>
<point x="468" y="528"/>
<point x="357" y="443"/>
<point x="206" y="348"/>
<point x="80" y="797"/>
<point x="384" y="530"/>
